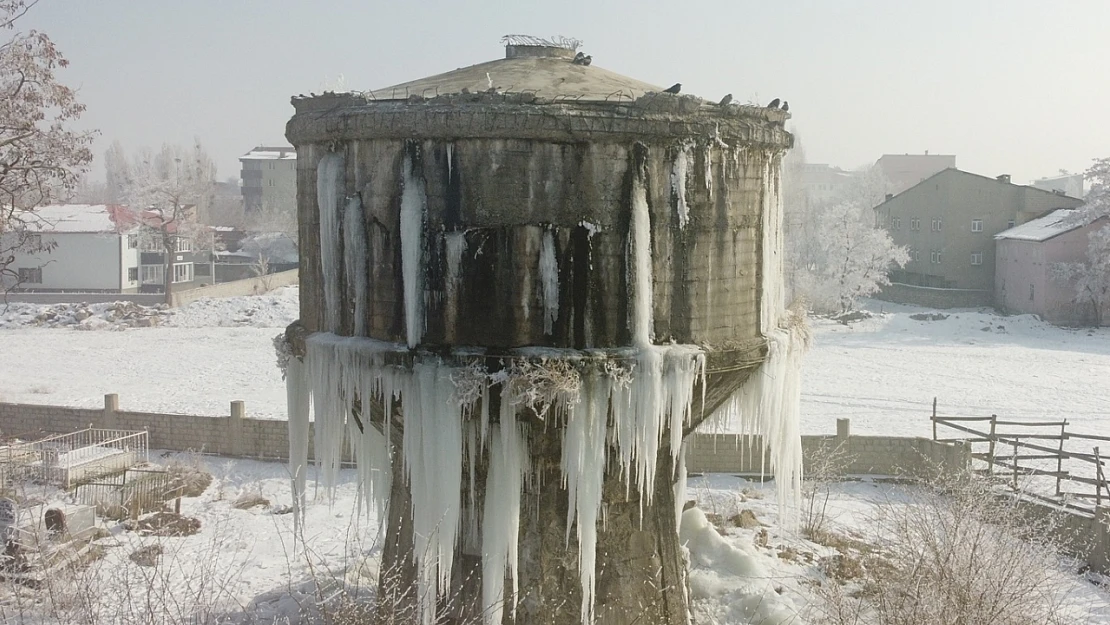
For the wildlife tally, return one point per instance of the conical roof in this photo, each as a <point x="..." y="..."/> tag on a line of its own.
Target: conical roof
<point x="546" y="71"/>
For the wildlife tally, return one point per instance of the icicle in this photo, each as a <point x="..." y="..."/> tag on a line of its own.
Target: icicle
<point x="297" y="397"/>
<point x="413" y="206"/>
<point x="680" y="486"/>
<point x="709" y="169"/>
<point x="640" y="257"/>
<point x="583" y="466"/>
<point x="501" y="517"/>
<point x="450" y="165"/>
<point x="678" y="184"/>
<point x="455" y="242"/>
<point x="342" y="370"/>
<point x="329" y="186"/>
<point x="354" y="249"/>
<point x="549" y="275"/>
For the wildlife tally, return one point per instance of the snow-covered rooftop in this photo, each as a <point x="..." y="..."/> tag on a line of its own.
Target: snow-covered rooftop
<point x="74" y="218"/>
<point x="270" y="154"/>
<point x="1043" y="228"/>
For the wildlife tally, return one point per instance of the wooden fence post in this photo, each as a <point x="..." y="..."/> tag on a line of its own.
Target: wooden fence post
<point x="1015" y="460"/>
<point x="1060" y="459"/>
<point x="1099" y="480"/>
<point x="990" y="449"/>
<point x="934" y="418"/>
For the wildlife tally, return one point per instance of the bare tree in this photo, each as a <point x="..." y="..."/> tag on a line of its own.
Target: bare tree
<point x="169" y="191"/>
<point x="41" y="159"/>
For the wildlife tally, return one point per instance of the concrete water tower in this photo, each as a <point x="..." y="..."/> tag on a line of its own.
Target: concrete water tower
<point x="522" y="283"/>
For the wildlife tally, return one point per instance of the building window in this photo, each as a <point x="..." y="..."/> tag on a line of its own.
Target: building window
<point x="914" y="254"/>
<point x="915" y="224"/>
<point x="936" y="225"/>
<point x="182" y="245"/>
<point x="976" y="258"/>
<point x="183" y="272"/>
<point x="132" y="241"/>
<point x="132" y="274"/>
<point x="152" y="274"/>
<point x="934" y="256"/>
<point x="976" y="225"/>
<point x="896" y="223"/>
<point x="1010" y="224"/>
<point x="1030" y="292"/>
<point x="30" y="275"/>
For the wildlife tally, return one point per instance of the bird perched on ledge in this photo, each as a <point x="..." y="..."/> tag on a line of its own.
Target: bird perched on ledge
<point x="785" y="106"/>
<point x="725" y="100"/>
<point x="774" y="104"/>
<point x="586" y="60"/>
<point x="674" y="89"/>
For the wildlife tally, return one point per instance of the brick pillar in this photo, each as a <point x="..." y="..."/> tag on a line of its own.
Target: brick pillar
<point x="1100" y="553"/>
<point x="111" y="407"/>
<point x="843" y="429"/>
<point x="234" y="443"/>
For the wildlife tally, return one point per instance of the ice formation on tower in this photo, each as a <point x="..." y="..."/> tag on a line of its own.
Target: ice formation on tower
<point x="630" y="402"/>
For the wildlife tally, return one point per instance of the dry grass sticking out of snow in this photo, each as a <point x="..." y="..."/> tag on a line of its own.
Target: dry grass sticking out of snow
<point x="242" y="565"/>
<point x="895" y="554"/>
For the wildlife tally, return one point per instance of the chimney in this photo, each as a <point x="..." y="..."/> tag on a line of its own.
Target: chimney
<point x="1004" y="178"/>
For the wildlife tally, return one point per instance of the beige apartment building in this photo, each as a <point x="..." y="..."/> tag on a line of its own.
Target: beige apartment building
<point x="269" y="178"/>
<point x="948" y="221"/>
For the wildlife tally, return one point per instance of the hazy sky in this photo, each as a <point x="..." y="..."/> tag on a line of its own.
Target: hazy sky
<point x="1015" y="86"/>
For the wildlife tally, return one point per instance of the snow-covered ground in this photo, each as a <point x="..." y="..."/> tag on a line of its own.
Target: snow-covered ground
<point x="881" y="372"/>
<point x="884" y="372"/>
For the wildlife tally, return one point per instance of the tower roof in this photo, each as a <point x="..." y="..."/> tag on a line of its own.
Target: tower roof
<point x="548" y="71"/>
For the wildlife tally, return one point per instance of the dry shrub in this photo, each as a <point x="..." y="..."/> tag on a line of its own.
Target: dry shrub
<point x="949" y="552"/>
<point x="189" y="475"/>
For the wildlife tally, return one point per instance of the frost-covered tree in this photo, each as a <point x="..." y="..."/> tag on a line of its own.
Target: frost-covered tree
<point x="1091" y="278"/>
<point x="41" y="157"/>
<point x="855" y="258"/>
<point x="835" y="254"/>
<point x="167" y="191"/>
<point x="117" y="170"/>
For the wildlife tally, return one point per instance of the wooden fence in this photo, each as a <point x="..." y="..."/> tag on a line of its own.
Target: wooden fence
<point x="1014" y="450"/>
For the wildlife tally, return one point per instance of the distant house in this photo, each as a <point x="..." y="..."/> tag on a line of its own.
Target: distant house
<point x="82" y="247"/>
<point x="948" y="222"/>
<point x="188" y="253"/>
<point x="906" y="170"/>
<point x="269" y="178"/>
<point x="1024" y="270"/>
<point x="1068" y="184"/>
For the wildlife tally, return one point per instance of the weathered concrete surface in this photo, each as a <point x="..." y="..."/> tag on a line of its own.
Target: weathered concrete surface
<point x="556" y="155"/>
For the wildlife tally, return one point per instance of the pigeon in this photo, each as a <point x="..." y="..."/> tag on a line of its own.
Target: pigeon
<point x="578" y="58"/>
<point x="586" y="60"/>
<point x="674" y="88"/>
<point x="774" y="104"/>
<point x="725" y="100"/>
<point x="785" y="105"/>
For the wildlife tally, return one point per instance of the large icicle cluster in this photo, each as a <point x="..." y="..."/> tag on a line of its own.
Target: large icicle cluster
<point x="414" y="204"/>
<point x="769" y="403"/>
<point x="329" y="188"/>
<point x="445" y="417"/>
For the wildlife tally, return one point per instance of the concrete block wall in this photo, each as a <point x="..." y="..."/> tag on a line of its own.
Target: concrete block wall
<point x="863" y="455"/>
<point x="250" y="286"/>
<point x="934" y="297"/>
